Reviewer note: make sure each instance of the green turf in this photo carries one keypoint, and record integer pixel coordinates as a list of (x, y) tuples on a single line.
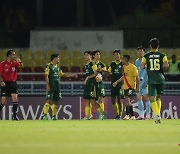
[(89, 137)]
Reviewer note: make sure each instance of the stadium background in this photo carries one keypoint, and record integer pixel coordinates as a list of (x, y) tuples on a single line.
[(36, 29)]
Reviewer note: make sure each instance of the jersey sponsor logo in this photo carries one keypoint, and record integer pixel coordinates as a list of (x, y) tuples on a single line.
[(13, 69)]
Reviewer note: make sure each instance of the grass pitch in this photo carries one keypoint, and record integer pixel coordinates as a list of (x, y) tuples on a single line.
[(89, 137)]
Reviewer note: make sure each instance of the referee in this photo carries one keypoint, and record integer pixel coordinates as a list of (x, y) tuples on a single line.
[(8, 77)]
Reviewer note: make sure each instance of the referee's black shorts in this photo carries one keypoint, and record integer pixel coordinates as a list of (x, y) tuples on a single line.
[(10, 88)]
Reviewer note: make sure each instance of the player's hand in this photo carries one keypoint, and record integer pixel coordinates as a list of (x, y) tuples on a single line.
[(115, 84), (47, 88), (2, 84), (74, 75), (85, 81), (18, 60)]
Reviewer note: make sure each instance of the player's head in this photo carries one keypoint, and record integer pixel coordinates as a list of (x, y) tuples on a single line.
[(87, 55), (154, 43), (117, 54), (140, 51), (126, 59), (173, 57), (96, 55), (11, 55), (55, 58)]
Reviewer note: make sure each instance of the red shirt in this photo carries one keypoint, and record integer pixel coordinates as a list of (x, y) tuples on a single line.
[(8, 70)]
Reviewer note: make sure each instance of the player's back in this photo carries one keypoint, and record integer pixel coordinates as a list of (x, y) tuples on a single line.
[(154, 61)]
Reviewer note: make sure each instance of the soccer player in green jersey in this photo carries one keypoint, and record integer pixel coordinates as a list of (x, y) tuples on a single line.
[(116, 92), (101, 67), (89, 88), (156, 62), (53, 73)]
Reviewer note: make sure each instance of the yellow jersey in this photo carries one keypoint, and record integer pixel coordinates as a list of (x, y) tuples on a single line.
[(130, 72)]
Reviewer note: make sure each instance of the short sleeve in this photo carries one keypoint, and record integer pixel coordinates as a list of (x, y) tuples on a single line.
[(61, 73), (109, 69), (165, 59), (47, 70), (144, 60), (94, 67)]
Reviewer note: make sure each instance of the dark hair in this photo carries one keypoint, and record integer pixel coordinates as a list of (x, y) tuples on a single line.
[(141, 48), (55, 55), (95, 51), (154, 42), (127, 57), (173, 56), (88, 52), (116, 51), (9, 52)]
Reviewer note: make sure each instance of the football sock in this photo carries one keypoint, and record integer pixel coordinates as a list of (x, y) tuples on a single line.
[(148, 108), (100, 110), (120, 106), (90, 109), (46, 108), (87, 111), (159, 105), (102, 105), (127, 110), (1, 106), (15, 105), (131, 110), (154, 107), (54, 109), (141, 108), (116, 108)]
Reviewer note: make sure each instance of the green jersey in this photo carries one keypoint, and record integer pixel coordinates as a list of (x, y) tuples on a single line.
[(100, 65), (54, 72), (89, 69), (116, 70), (154, 62)]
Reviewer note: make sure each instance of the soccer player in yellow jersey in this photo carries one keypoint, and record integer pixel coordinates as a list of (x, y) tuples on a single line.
[(131, 84), (53, 73), (155, 62)]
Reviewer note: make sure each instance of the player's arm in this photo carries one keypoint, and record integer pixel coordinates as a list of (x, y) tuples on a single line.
[(47, 78), (143, 63), (94, 67), (119, 80), (165, 64), (1, 79), (62, 74), (19, 63)]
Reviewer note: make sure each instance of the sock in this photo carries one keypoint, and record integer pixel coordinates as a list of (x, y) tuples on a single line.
[(127, 110), (90, 109), (1, 106), (141, 108), (148, 108), (120, 106), (46, 108), (131, 110), (116, 108), (100, 110), (102, 105), (87, 111), (15, 105), (159, 105), (154, 107), (54, 110)]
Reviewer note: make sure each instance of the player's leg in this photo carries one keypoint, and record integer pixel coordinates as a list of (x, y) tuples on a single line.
[(120, 97), (100, 94), (49, 98), (152, 92), (140, 107), (101, 102), (56, 98), (148, 106), (99, 109), (113, 101), (3, 98), (160, 88), (14, 96)]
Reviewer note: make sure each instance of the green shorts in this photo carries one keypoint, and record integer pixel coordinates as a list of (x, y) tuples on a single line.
[(89, 91), (155, 89), (54, 95), (117, 92), (100, 91)]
